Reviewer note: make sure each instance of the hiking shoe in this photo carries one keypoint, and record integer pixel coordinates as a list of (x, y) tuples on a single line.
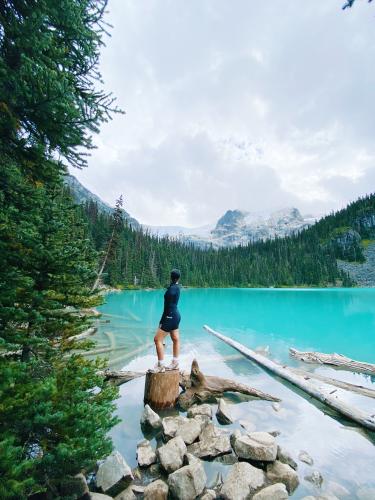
[(158, 368)]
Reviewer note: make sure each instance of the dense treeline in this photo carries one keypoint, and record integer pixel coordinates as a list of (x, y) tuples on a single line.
[(304, 259), (55, 410)]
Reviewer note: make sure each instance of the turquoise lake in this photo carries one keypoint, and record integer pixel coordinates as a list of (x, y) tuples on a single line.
[(326, 320)]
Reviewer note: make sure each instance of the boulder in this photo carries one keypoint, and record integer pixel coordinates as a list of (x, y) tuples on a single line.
[(188, 482), (223, 413), (209, 495), (234, 436), (203, 420), (171, 425), (127, 494), (157, 490), (212, 442), (285, 457), (276, 491), (256, 446), (150, 418), (189, 430), (242, 481), (172, 454), (305, 457), (112, 470), (145, 453), (277, 472), (204, 409), (99, 496), (315, 478)]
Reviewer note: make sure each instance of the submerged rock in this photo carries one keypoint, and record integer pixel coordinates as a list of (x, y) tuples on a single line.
[(145, 453), (276, 491), (188, 482), (305, 457), (247, 425), (285, 457), (172, 454), (366, 493), (223, 413), (209, 495), (157, 490), (256, 446), (112, 470), (150, 418), (204, 409), (315, 478), (242, 481), (277, 472), (338, 489)]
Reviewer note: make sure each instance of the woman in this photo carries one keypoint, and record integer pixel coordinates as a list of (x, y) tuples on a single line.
[(169, 323)]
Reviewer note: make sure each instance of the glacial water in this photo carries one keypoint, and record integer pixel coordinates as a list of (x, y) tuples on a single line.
[(326, 320)]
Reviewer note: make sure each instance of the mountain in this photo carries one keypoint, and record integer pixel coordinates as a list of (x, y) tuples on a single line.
[(82, 195), (238, 227)]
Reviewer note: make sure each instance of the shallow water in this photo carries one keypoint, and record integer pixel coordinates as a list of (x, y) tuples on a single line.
[(327, 320)]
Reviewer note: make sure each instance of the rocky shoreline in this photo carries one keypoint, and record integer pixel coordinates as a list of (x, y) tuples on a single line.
[(259, 468)]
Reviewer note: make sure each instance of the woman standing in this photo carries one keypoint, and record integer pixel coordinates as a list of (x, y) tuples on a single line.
[(169, 323)]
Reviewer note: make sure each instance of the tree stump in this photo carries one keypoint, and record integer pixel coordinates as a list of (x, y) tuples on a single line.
[(162, 389)]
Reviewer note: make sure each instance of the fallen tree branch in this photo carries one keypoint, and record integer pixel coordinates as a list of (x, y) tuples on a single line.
[(333, 359), (120, 377), (322, 394), (199, 388)]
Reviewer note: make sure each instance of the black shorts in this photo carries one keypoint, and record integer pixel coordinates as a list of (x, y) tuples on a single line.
[(170, 322)]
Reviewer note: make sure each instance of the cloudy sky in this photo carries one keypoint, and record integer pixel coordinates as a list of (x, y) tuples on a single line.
[(256, 105)]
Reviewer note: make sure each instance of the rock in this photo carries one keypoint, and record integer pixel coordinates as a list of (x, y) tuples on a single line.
[(99, 496), (209, 495), (247, 425), (274, 492), (138, 488), (127, 494), (203, 420), (204, 409), (171, 425), (234, 436), (212, 442), (242, 481), (315, 478), (338, 490), (217, 482), (226, 459), (366, 493), (305, 457), (274, 433), (112, 470), (189, 430), (157, 490), (278, 472), (150, 418), (276, 406), (285, 457), (74, 486), (145, 453), (188, 482), (223, 413), (172, 454), (256, 446)]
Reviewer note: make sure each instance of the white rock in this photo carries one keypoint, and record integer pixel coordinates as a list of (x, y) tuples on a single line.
[(188, 482), (112, 470), (150, 418), (256, 446), (171, 455), (209, 495), (145, 453), (157, 490), (212, 447), (285, 457), (223, 413), (99, 496), (276, 491), (127, 494), (305, 457), (204, 409), (242, 481), (189, 430), (315, 478), (172, 424), (277, 472)]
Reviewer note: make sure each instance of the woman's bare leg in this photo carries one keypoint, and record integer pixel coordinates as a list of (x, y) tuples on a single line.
[(159, 341), (175, 336)]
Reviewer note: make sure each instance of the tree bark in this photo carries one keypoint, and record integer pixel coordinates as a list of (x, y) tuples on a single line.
[(162, 389), (199, 388)]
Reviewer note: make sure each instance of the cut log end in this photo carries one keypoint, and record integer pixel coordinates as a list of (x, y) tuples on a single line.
[(162, 389)]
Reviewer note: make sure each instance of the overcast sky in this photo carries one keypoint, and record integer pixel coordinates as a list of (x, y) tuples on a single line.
[(247, 104)]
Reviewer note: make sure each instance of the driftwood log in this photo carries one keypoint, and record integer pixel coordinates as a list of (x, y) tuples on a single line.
[(162, 389), (121, 376), (333, 359), (199, 388), (323, 394)]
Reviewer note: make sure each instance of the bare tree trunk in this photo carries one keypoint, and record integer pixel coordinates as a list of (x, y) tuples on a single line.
[(95, 285)]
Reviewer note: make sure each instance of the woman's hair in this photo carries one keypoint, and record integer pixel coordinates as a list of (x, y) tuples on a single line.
[(175, 275)]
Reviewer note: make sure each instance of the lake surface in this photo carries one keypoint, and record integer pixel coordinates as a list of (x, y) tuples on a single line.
[(326, 320)]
